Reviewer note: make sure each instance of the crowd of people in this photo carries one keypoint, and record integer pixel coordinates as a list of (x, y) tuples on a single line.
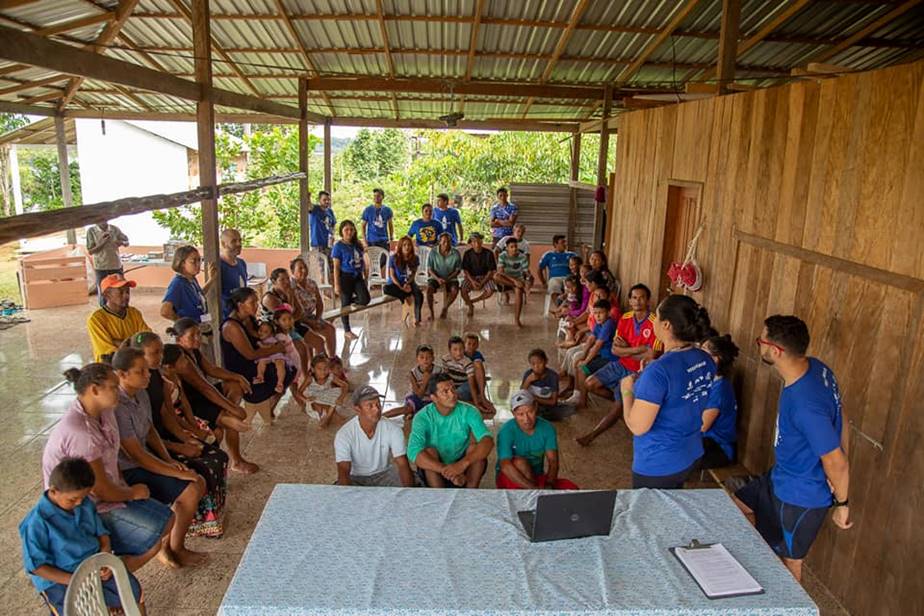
[(140, 460)]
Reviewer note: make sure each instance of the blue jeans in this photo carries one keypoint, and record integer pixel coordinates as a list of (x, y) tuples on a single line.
[(135, 528)]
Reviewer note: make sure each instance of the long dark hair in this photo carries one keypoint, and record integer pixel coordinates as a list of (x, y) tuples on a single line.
[(399, 256), (689, 321), (355, 243), (725, 350), (91, 374), (239, 296), (181, 326)]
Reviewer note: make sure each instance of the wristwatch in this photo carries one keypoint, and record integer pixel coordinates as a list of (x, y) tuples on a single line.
[(842, 503)]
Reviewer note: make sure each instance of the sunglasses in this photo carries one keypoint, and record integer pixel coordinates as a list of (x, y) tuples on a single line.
[(759, 341)]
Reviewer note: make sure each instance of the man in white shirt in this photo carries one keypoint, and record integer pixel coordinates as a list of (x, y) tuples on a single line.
[(362, 446)]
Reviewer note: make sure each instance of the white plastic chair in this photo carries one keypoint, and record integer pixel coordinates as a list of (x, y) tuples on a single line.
[(319, 270), (423, 254), (375, 254), (85, 592)]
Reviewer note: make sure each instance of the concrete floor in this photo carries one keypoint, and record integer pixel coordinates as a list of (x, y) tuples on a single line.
[(294, 450)]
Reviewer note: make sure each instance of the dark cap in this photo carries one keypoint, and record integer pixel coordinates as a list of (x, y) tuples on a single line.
[(365, 392)]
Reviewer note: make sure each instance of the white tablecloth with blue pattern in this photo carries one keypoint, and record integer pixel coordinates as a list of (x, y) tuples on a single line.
[(339, 551)]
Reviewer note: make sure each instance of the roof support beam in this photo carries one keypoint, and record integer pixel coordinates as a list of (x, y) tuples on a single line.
[(728, 43), (865, 31), (31, 49), (64, 172), (28, 85), (309, 63), (304, 199), (75, 24), (681, 14), (485, 88), (383, 30)]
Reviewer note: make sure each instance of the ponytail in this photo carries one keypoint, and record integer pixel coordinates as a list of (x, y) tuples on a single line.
[(91, 374), (689, 321), (725, 350)]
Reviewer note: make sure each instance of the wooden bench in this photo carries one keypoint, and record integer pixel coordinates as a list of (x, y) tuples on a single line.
[(719, 475), (335, 313)]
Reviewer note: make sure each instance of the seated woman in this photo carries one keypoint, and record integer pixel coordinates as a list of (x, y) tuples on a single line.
[(184, 296), (311, 303), (138, 525), (184, 439), (144, 459), (216, 405), (240, 350), (401, 270), (598, 263)]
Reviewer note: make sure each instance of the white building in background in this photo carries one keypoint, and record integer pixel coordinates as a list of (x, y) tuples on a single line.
[(121, 158)]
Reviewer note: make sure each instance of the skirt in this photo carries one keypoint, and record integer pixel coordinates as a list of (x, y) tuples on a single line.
[(213, 466)]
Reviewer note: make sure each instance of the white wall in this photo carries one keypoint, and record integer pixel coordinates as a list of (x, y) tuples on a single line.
[(129, 162)]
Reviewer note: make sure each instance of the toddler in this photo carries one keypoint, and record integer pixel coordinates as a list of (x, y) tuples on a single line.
[(326, 391), (270, 337), (286, 325)]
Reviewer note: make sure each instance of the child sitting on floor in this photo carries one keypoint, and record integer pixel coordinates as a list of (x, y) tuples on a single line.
[(326, 391), (337, 369), (61, 531), (472, 341), (542, 382), (285, 322), (421, 378), (268, 335)]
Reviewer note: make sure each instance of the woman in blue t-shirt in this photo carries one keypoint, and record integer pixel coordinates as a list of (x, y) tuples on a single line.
[(721, 414), (664, 404), (402, 269), (350, 272), (184, 296)]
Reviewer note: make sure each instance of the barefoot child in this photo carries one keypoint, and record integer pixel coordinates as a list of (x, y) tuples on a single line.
[(269, 337), (326, 390), (421, 379), (542, 382), (295, 357), (61, 531), (471, 351)]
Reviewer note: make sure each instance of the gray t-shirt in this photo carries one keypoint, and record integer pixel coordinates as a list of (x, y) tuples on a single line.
[(108, 257), (133, 414)]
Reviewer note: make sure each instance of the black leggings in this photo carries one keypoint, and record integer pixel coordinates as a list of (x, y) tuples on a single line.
[(353, 290), (396, 291), (664, 482)]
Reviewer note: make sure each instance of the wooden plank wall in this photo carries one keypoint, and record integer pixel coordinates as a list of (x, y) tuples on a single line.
[(813, 195)]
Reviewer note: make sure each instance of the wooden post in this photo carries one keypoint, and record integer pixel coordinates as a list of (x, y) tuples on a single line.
[(64, 171), (304, 239), (728, 44), (600, 209), (208, 174), (328, 178), (575, 176), (17, 186)]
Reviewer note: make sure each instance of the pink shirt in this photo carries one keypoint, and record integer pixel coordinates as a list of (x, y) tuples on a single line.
[(78, 435)]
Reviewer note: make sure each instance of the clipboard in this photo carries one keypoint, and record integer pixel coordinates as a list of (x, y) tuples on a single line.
[(697, 545)]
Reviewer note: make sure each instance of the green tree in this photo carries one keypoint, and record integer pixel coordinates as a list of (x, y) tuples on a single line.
[(41, 180), (11, 121), (376, 154)]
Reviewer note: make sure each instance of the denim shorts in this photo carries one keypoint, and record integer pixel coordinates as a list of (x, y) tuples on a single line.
[(611, 374), (137, 527)]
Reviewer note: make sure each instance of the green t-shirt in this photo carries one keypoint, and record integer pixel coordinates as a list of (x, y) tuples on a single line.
[(515, 267), (512, 442), (448, 434), (441, 265)]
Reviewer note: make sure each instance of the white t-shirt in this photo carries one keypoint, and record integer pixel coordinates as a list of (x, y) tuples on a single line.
[(368, 456), (523, 245)]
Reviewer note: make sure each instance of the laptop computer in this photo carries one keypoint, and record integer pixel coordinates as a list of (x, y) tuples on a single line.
[(569, 515)]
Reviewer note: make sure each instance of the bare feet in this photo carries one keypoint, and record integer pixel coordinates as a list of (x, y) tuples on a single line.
[(244, 467), (518, 323), (350, 336), (167, 557), (188, 558), (236, 424), (326, 417), (280, 387), (584, 441)]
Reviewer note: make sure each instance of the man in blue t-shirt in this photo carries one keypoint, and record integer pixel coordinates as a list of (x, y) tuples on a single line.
[(425, 230), (553, 267), (448, 217), (378, 226), (503, 216), (321, 221), (233, 268), (811, 475)]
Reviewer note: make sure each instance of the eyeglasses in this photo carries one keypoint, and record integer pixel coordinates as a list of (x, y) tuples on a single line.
[(759, 341)]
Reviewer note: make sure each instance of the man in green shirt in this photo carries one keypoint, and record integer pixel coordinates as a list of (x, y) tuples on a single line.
[(523, 447), (444, 264), (449, 442)]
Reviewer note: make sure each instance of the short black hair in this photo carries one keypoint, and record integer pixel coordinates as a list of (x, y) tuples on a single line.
[(72, 475), (423, 348), (425, 206), (443, 196), (378, 190), (788, 331), (442, 377), (641, 287), (511, 240), (557, 237), (317, 359), (603, 304), (596, 278), (538, 353), (472, 336), (125, 358), (455, 340), (323, 193), (277, 272), (502, 189)]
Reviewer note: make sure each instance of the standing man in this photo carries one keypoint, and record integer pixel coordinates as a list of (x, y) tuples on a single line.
[(503, 216), (378, 226), (322, 221), (115, 321), (103, 241), (553, 267), (233, 268), (449, 442), (811, 475), (448, 217), (362, 446), (478, 268), (425, 230)]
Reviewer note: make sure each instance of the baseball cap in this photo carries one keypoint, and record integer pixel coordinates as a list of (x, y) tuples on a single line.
[(366, 392), (116, 280), (521, 398), (475, 236)]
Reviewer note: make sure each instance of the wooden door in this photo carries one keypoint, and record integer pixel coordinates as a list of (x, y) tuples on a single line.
[(682, 218)]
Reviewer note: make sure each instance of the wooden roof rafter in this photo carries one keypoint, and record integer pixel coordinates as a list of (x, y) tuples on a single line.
[(472, 48), (309, 63), (870, 28), (389, 61)]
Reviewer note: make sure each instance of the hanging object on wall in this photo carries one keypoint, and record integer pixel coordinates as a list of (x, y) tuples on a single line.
[(688, 274)]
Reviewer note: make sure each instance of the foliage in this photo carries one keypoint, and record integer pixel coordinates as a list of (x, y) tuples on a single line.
[(41, 180), (377, 154), (11, 121)]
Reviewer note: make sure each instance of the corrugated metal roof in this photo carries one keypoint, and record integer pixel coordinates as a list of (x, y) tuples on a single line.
[(609, 36)]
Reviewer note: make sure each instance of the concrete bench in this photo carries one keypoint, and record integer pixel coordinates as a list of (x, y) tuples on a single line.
[(335, 313)]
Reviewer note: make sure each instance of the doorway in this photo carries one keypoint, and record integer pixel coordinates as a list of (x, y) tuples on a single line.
[(682, 217)]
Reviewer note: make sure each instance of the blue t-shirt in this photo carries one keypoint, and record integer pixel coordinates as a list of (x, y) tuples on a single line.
[(232, 277), (425, 232), (557, 262), (808, 426), (503, 212), (186, 297), (351, 257), (723, 430), (396, 275), (376, 223), (679, 382), (321, 223), (512, 442), (606, 331), (544, 386), (449, 218), (58, 538), (476, 356)]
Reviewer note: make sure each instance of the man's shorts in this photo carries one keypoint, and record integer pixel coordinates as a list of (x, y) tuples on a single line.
[(597, 363), (451, 284), (422, 476), (610, 375), (488, 286), (556, 285), (505, 483), (788, 529)]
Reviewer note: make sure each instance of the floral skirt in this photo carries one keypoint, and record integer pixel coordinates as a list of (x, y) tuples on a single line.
[(213, 466)]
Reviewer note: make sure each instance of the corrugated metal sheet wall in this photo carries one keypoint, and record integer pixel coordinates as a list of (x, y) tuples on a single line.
[(545, 210)]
